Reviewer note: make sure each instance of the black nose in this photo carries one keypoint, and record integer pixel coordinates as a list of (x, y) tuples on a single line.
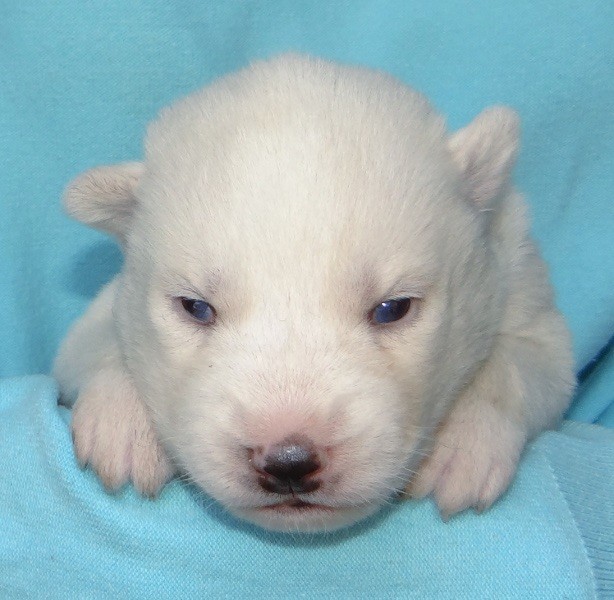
[(288, 466)]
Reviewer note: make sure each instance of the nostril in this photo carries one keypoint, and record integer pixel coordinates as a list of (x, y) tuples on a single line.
[(291, 462), (277, 486), (287, 467)]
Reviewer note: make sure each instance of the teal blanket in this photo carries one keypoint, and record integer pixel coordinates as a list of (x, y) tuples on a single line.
[(78, 83), (61, 536)]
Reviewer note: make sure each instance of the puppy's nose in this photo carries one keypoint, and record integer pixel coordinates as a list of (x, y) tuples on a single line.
[(289, 467), (291, 461)]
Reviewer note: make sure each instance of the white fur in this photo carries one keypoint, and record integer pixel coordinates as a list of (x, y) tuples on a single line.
[(295, 196)]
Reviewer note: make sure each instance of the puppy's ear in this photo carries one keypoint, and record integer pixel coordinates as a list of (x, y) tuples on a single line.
[(104, 197), (485, 151)]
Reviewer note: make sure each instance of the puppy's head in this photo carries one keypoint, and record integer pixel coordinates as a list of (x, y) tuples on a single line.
[(309, 282)]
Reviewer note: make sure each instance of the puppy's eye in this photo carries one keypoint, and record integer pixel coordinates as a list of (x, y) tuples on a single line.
[(199, 309), (390, 311)]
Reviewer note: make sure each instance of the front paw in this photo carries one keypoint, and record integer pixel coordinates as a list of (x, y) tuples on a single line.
[(474, 459), (113, 435)]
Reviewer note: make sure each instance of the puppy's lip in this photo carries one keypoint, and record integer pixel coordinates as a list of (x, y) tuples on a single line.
[(296, 504)]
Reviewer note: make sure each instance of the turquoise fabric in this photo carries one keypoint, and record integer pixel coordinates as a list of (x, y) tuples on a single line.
[(61, 536), (78, 83)]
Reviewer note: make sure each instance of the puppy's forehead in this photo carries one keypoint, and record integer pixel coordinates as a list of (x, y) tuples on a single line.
[(310, 164)]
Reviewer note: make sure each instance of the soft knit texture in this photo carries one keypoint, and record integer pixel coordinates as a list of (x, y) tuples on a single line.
[(78, 83), (61, 536)]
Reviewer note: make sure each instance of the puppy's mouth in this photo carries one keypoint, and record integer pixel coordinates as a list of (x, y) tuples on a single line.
[(295, 505)]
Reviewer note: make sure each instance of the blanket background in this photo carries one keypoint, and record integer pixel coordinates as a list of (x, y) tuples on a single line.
[(61, 536), (78, 83)]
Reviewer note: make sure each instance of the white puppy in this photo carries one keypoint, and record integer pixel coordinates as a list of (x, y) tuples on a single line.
[(321, 288)]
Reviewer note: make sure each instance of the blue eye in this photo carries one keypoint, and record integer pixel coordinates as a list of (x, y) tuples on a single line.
[(199, 309), (390, 311)]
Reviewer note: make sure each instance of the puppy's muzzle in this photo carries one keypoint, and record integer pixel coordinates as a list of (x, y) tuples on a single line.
[(288, 467)]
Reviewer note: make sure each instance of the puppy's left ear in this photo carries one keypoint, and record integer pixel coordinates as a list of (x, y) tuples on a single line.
[(105, 197), (485, 151)]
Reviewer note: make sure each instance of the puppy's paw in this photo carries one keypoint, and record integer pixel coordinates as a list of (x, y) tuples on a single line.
[(473, 462), (113, 435)]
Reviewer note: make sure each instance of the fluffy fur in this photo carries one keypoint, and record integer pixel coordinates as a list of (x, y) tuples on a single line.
[(294, 196)]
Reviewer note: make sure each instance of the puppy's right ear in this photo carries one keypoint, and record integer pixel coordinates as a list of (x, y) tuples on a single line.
[(104, 197), (485, 151)]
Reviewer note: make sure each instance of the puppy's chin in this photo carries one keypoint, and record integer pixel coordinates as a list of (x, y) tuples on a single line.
[(299, 516)]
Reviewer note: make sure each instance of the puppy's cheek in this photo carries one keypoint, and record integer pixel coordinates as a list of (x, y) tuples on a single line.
[(369, 477), (213, 461)]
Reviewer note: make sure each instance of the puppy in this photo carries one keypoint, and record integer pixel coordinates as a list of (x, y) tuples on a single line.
[(326, 299)]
